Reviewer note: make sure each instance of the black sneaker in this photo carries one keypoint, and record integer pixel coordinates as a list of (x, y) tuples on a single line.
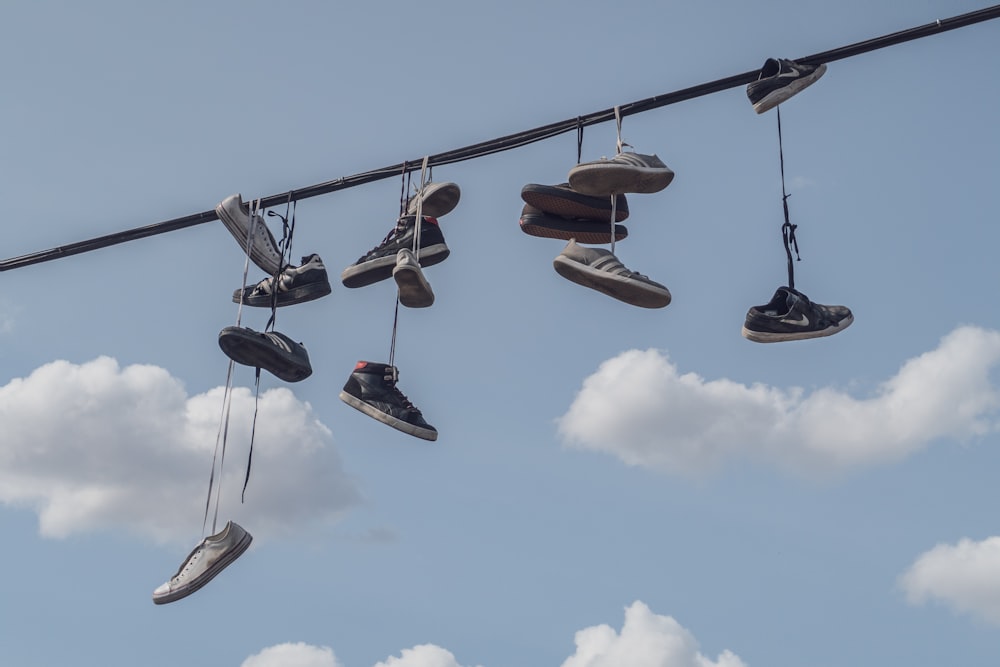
[(790, 315), (564, 201), (272, 351), (779, 80), (296, 284), (372, 390), (379, 262), (539, 223)]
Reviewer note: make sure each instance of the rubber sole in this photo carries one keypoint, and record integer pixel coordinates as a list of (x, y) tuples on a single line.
[(254, 349), (387, 419), (567, 203), (766, 337)]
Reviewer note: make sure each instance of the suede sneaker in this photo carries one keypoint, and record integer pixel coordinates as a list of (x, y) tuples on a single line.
[(208, 559), (600, 270), (274, 352), (372, 390), (625, 172), (235, 215), (379, 262), (790, 315)]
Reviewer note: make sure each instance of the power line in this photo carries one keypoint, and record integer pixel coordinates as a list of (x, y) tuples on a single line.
[(507, 142)]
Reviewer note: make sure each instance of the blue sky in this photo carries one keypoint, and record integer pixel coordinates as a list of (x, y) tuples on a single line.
[(611, 485)]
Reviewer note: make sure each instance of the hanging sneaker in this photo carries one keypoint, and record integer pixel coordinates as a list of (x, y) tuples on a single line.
[(378, 263), (208, 559), (235, 215), (537, 223), (564, 201), (372, 390), (296, 284), (779, 80), (600, 270), (414, 290), (438, 199), (272, 351), (625, 172), (790, 315)]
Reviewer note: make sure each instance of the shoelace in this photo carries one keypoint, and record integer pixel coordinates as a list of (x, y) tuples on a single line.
[(392, 377), (395, 231)]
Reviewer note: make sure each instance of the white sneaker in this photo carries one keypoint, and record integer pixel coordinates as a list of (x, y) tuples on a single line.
[(207, 560), (414, 290), (235, 215), (438, 199), (625, 172)]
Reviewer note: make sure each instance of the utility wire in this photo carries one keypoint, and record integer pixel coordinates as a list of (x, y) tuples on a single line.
[(507, 142)]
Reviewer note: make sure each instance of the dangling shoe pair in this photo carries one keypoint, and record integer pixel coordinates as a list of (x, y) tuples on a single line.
[(295, 284)]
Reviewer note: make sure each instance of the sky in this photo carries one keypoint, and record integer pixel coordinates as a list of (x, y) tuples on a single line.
[(611, 485)]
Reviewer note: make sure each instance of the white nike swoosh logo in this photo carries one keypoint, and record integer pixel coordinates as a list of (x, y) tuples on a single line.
[(788, 74), (803, 321)]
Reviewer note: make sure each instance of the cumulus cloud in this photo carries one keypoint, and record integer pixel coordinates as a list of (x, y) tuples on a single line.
[(95, 446), (293, 655), (963, 576), (640, 408), (646, 640)]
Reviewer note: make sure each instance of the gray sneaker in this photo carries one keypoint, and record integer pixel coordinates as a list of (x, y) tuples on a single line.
[(625, 172), (207, 560), (600, 270), (274, 352), (438, 199), (235, 215), (414, 290)]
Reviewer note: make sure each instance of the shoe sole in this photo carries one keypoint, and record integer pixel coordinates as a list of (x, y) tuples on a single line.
[(592, 233), (618, 287), (610, 178), (766, 337), (246, 348), (377, 270), (439, 199), (568, 203), (387, 419), (414, 292), (290, 297), (217, 567), (778, 96), (239, 232)]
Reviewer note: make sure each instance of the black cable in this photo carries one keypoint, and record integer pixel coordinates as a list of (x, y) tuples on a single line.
[(507, 142)]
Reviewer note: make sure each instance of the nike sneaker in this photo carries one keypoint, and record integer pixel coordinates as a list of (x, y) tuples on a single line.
[(379, 262), (600, 270), (625, 172), (780, 79), (372, 390), (296, 284), (790, 315)]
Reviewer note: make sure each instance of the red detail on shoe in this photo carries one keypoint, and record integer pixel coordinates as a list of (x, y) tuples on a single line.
[(431, 220), (360, 365)]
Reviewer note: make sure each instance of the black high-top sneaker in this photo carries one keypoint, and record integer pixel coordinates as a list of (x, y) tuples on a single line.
[(377, 264), (372, 390)]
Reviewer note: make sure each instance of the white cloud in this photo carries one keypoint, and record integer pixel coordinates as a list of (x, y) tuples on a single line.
[(963, 576), (424, 655), (638, 407), (646, 640), (293, 655), (94, 446)]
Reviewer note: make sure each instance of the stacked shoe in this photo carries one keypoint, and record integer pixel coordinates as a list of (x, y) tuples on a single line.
[(272, 351), (207, 560), (625, 172), (372, 389), (295, 284), (779, 79), (560, 212), (600, 270), (790, 315), (379, 263)]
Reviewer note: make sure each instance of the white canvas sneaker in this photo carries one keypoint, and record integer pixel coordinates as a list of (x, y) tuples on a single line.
[(207, 560), (235, 215)]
